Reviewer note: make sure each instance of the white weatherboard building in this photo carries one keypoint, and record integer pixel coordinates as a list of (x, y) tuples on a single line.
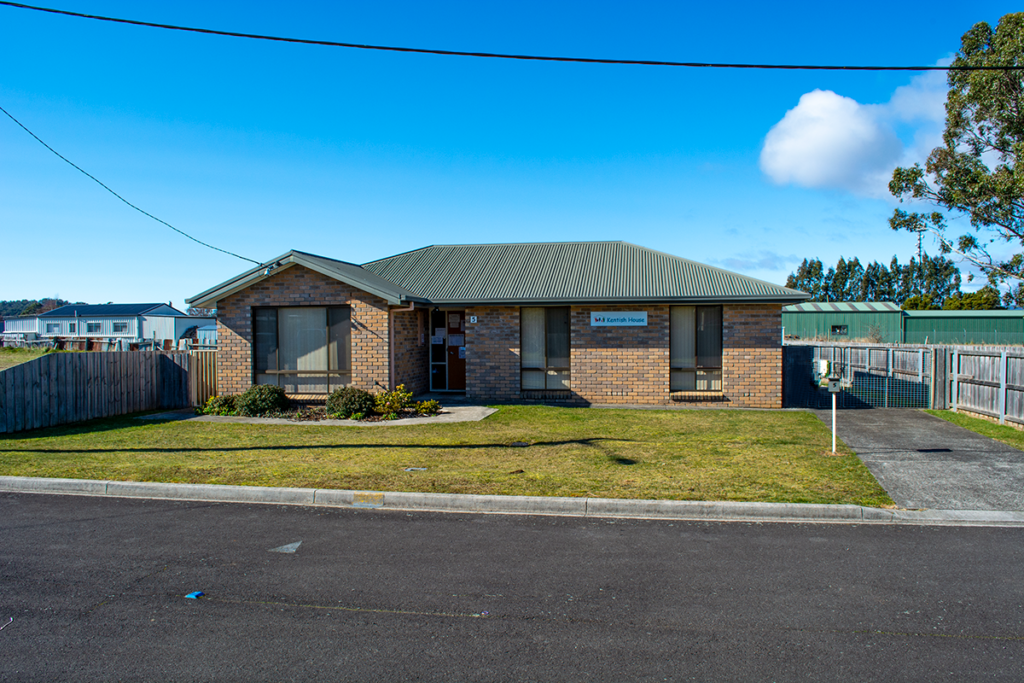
[(106, 325)]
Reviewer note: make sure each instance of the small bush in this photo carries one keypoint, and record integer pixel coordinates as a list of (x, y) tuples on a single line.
[(356, 416), (261, 399), (393, 402), (428, 407), (220, 405), (349, 400)]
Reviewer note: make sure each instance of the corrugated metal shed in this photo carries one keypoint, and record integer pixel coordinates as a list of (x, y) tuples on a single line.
[(844, 307), (569, 272), (964, 327), (880, 321)]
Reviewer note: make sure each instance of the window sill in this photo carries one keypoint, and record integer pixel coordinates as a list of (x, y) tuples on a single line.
[(698, 396)]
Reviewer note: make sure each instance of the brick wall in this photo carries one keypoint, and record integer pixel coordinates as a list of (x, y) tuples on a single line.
[(299, 286), (629, 365), (620, 364), (492, 353), (412, 350), (752, 355)]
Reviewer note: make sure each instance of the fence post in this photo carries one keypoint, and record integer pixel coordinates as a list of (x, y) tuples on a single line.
[(1002, 388), (888, 374), (955, 363)]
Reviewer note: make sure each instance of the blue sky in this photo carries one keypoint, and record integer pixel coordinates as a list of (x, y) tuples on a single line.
[(261, 147)]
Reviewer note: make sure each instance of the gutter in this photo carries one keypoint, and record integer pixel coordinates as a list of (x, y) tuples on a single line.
[(391, 342)]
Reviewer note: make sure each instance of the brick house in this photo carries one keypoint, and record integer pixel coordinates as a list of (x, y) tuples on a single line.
[(575, 322)]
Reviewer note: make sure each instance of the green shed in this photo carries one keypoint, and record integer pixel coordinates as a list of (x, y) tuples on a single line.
[(878, 321), (963, 327)]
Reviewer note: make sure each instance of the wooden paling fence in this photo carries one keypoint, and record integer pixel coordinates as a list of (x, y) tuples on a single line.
[(202, 376), (62, 388), (988, 383)]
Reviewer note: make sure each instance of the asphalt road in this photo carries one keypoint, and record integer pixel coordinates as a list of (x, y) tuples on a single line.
[(95, 588)]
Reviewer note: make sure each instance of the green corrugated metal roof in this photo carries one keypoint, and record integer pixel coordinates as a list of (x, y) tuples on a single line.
[(566, 272), (843, 307), (965, 314)]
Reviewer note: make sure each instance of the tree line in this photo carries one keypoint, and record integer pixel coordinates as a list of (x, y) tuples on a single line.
[(927, 284), (13, 307)]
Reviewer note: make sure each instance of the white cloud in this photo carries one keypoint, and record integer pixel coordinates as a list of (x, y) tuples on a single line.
[(831, 141)]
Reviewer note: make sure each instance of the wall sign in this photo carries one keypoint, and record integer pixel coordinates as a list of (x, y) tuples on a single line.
[(618, 319)]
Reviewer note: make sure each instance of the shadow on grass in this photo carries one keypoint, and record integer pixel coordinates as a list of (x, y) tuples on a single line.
[(593, 443)]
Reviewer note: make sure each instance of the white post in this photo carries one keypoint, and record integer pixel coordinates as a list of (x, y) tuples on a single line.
[(833, 424), (955, 366)]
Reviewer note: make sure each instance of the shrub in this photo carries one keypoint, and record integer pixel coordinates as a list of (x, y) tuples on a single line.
[(261, 399), (348, 401), (220, 405), (428, 407), (393, 402), (356, 416)]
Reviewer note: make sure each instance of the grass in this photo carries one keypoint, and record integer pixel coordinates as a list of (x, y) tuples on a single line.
[(11, 356), (690, 455), (1006, 434)]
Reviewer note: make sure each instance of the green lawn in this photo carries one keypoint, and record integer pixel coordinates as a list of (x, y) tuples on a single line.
[(692, 455), (11, 356), (1004, 433)]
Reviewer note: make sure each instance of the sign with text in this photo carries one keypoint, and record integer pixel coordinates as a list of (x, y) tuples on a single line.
[(618, 319)]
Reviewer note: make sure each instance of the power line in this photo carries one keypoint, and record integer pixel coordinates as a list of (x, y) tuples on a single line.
[(500, 55), (101, 184)]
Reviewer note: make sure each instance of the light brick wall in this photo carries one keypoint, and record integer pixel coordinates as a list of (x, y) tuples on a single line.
[(752, 355), (492, 353), (629, 365), (299, 286), (411, 350), (620, 364)]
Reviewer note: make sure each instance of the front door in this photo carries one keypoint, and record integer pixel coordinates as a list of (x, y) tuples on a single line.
[(447, 351)]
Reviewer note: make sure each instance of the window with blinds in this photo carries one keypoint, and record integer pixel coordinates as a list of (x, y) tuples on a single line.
[(544, 349), (695, 355), (303, 350)]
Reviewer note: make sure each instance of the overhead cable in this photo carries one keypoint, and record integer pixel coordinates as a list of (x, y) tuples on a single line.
[(105, 187), (501, 55)]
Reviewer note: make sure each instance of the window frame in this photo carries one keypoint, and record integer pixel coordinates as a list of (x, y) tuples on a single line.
[(89, 328), (119, 328), (548, 368), (712, 372), (52, 328), (282, 375)]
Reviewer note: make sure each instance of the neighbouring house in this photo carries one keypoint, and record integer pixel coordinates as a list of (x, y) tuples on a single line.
[(106, 326), (575, 322)]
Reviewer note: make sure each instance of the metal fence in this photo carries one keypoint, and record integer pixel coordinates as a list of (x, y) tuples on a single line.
[(875, 377)]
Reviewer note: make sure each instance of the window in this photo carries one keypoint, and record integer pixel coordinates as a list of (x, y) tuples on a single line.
[(52, 328), (840, 330), (695, 356), (120, 328), (303, 350), (71, 328), (92, 328), (544, 341)]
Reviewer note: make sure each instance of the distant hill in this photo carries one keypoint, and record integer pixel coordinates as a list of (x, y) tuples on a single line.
[(13, 307)]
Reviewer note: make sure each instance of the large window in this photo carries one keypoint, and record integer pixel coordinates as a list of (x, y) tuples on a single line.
[(52, 328), (304, 350), (120, 328), (544, 340), (695, 358), (92, 328)]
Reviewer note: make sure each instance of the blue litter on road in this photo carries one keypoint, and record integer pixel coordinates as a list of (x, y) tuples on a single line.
[(195, 595)]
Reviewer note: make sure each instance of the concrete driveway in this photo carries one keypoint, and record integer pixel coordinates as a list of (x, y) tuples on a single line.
[(925, 462)]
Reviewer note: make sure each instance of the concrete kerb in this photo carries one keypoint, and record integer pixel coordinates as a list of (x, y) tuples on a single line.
[(685, 510)]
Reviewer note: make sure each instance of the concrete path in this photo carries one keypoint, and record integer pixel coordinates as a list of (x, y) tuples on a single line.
[(925, 462), (447, 415)]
